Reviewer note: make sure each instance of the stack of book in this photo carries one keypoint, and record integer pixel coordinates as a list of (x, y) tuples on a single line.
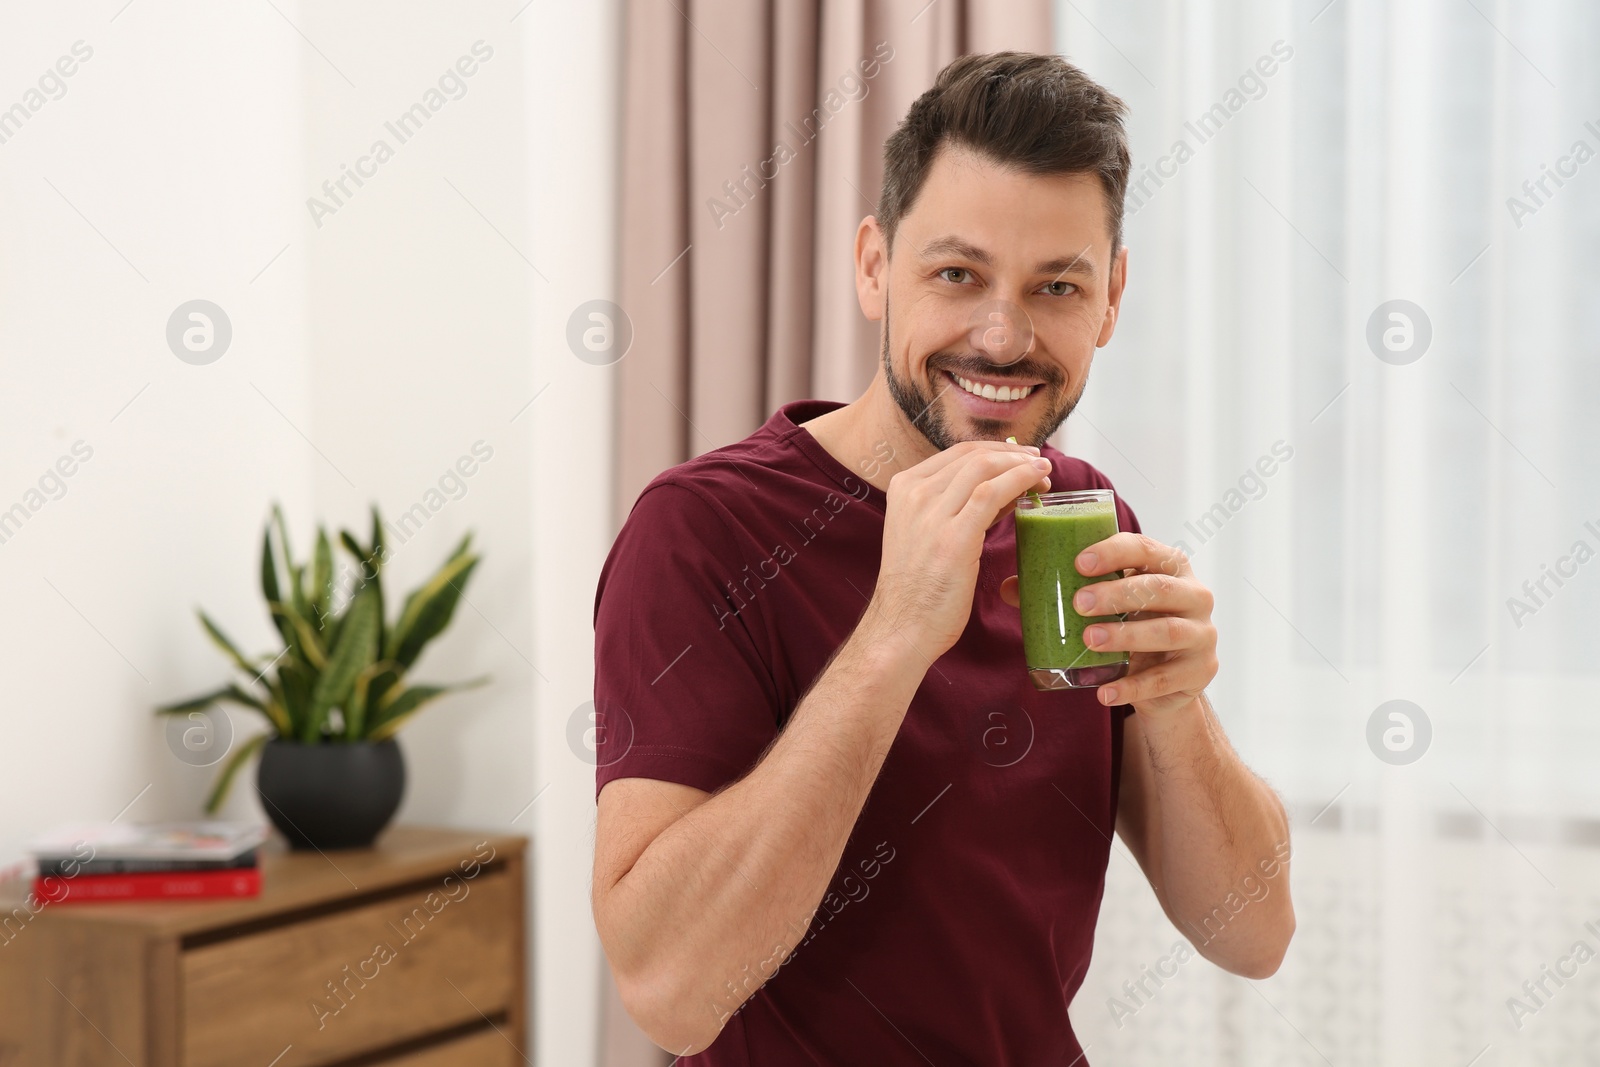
[(165, 861)]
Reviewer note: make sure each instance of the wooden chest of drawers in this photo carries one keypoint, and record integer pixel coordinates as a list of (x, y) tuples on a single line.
[(409, 953)]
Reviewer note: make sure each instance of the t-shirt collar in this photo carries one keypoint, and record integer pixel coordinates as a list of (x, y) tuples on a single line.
[(786, 423)]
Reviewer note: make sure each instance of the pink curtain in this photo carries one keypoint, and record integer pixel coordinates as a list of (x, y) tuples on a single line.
[(752, 147)]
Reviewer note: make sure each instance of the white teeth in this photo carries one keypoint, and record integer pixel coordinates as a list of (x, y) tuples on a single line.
[(990, 392)]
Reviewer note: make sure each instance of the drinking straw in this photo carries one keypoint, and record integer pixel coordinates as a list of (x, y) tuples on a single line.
[(1032, 492)]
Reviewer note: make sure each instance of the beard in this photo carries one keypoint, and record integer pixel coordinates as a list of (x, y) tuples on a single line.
[(928, 417)]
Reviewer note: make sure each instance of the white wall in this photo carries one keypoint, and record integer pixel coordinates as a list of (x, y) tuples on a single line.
[(419, 348), (375, 350), (572, 103), (176, 153)]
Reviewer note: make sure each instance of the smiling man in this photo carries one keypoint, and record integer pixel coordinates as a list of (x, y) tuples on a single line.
[(837, 823)]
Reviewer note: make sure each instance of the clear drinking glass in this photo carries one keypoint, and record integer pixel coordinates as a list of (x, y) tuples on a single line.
[(1052, 528)]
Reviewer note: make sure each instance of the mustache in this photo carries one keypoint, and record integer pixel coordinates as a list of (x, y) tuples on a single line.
[(974, 366)]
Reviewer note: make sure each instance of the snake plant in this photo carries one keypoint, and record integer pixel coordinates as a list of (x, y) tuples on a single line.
[(342, 673)]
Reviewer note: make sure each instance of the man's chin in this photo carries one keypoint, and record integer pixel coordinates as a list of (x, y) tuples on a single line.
[(996, 430), (1027, 426)]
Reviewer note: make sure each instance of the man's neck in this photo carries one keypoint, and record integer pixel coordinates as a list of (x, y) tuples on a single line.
[(871, 435)]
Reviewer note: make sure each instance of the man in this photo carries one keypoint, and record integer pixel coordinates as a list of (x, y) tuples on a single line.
[(837, 823)]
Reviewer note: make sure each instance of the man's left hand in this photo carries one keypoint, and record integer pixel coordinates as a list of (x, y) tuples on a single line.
[(1166, 625)]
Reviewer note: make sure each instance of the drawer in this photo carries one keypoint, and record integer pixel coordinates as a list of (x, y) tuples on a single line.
[(326, 988), (484, 1049)]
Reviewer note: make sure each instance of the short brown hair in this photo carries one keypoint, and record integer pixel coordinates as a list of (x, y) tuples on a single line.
[(1032, 111)]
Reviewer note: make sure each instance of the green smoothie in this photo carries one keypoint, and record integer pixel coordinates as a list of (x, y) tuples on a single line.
[(1051, 531)]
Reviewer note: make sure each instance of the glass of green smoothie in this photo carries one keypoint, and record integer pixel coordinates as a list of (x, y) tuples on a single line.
[(1052, 529)]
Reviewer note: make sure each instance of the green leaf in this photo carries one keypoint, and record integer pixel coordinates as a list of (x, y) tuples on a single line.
[(427, 611), (355, 708), (280, 719), (283, 535), (332, 624), (293, 689), (269, 568), (357, 648), (249, 700), (232, 693), (220, 639), (385, 684), (205, 700), (236, 759), (309, 644), (410, 607), (297, 591), (377, 557), (277, 707), (321, 579), (307, 589), (284, 610), (405, 704), (377, 552)]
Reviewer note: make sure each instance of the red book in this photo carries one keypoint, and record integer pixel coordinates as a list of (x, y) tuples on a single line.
[(150, 885)]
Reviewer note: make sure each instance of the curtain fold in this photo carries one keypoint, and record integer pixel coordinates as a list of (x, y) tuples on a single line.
[(752, 147), (1353, 375), (653, 237)]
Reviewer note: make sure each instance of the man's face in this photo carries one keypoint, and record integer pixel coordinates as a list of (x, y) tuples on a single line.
[(1000, 288)]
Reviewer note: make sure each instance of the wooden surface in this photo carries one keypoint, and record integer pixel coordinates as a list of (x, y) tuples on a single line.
[(435, 971), (483, 1049), (204, 983), (291, 880)]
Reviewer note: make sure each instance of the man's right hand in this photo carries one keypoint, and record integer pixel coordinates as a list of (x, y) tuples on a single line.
[(933, 532)]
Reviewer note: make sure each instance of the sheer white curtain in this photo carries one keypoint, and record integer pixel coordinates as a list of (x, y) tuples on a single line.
[(1392, 502)]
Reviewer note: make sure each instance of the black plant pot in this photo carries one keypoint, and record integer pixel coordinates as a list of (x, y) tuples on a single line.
[(330, 795)]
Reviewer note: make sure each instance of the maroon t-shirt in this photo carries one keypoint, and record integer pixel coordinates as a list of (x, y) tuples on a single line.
[(959, 922)]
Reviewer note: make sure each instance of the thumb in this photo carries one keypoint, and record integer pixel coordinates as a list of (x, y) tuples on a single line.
[(1008, 592)]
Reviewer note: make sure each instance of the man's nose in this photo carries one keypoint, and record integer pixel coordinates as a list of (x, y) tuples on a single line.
[(1001, 331)]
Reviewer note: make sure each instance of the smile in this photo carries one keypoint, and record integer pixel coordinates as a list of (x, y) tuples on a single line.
[(990, 391)]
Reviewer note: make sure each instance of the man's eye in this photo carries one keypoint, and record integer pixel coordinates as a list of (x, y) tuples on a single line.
[(948, 271), (1059, 288)]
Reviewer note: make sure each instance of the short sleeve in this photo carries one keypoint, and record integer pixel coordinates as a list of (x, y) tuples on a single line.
[(682, 691)]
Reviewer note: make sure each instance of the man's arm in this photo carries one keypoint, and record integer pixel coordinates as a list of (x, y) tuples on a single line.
[(724, 892), (1211, 837)]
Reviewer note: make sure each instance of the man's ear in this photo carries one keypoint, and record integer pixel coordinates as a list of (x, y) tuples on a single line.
[(1119, 279), (872, 268)]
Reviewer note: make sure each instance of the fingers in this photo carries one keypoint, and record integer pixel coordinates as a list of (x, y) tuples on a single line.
[(940, 462), (1009, 591), (1166, 633), (1144, 592), (1017, 470), (1180, 677), (1134, 551), (948, 491), (982, 493), (962, 470)]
